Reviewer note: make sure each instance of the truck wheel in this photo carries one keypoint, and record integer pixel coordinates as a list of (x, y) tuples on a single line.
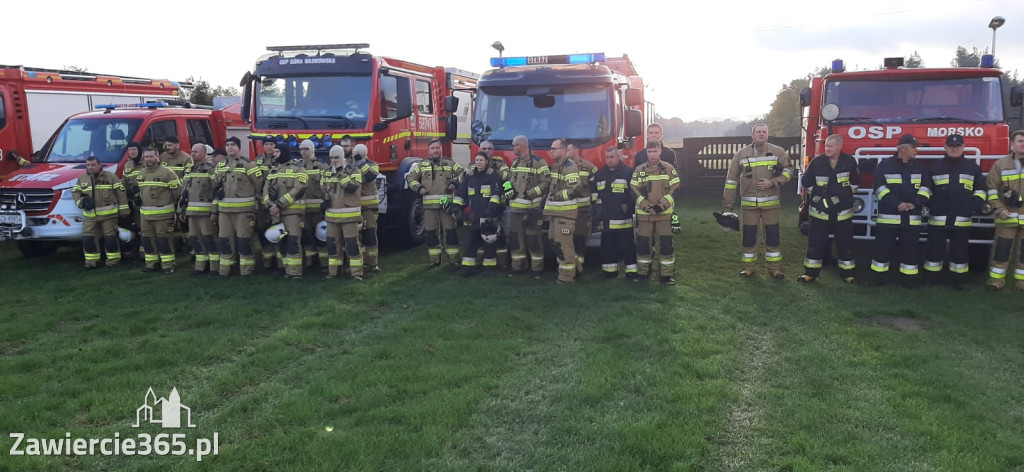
[(412, 223), (34, 249)]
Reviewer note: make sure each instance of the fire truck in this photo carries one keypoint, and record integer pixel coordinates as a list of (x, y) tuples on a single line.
[(394, 107), (593, 100), (872, 109), (34, 102), (36, 205)]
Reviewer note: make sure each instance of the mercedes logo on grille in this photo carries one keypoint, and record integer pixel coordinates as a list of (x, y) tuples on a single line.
[(20, 200)]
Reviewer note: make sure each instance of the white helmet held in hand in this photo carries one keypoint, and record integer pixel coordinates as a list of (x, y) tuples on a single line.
[(321, 230), (276, 233), (124, 235)]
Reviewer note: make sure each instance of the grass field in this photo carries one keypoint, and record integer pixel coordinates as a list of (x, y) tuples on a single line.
[(418, 369)]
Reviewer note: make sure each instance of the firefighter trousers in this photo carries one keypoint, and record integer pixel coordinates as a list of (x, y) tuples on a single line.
[(753, 220), (818, 244), (957, 254), (291, 244), (204, 242), (523, 238), (156, 242), (581, 233), (649, 233), (97, 231), (1006, 238), (344, 237), (368, 236), (315, 249), (473, 243), (235, 236), (268, 250), (897, 243), (434, 219), (618, 245), (560, 233)]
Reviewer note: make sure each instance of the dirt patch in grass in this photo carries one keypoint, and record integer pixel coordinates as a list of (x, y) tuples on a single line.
[(898, 323)]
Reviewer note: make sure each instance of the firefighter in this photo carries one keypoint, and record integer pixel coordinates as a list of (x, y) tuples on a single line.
[(343, 210), (759, 170), (653, 184), (316, 251), (238, 182), (196, 201), (530, 178), (481, 191), (830, 181), (586, 170), (265, 162), (900, 197), (160, 189), (100, 195), (957, 191), (368, 195), (614, 210), (282, 195), (561, 208), (498, 164), (436, 180), (655, 133), (1005, 190), (173, 157), (133, 221)]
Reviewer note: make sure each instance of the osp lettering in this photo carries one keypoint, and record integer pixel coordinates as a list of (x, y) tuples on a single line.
[(874, 132)]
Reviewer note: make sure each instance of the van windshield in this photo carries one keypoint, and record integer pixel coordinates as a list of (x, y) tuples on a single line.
[(105, 138)]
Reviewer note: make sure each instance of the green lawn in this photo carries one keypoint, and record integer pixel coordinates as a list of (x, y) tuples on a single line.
[(418, 369)]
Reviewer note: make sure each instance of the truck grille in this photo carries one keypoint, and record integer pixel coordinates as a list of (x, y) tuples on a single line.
[(36, 200)]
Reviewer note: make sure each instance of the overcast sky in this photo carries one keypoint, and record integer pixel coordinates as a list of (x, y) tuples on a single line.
[(712, 61)]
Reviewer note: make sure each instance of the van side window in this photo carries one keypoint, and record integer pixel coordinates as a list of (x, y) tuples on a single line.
[(157, 133), (3, 112), (199, 132), (423, 103)]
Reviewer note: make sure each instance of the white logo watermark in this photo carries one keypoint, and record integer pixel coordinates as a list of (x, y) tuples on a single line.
[(143, 444)]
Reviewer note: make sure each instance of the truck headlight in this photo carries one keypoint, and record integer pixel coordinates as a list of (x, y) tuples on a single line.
[(858, 205)]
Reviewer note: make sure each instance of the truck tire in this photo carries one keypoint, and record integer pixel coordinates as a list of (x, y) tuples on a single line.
[(36, 249), (411, 230)]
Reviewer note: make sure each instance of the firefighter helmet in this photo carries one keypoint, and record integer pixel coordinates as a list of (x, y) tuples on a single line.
[(728, 221), (124, 235), (489, 230), (321, 230), (276, 233)]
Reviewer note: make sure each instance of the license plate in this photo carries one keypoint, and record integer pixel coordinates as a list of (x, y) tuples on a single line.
[(14, 219)]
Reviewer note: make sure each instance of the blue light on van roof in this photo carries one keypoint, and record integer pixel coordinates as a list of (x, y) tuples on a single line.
[(587, 58), (124, 106)]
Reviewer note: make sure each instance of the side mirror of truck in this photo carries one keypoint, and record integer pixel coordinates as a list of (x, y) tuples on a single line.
[(451, 104), (1016, 96), (246, 85), (805, 97), (451, 127), (634, 97), (634, 123), (404, 96)]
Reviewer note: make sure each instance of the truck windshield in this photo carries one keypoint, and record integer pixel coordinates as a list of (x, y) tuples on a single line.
[(105, 138), (319, 102), (581, 112), (976, 99)]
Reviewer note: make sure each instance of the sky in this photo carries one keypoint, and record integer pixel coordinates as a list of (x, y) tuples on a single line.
[(708, 62)]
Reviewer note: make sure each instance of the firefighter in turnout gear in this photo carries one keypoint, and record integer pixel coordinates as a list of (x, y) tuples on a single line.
[(900, 197), (130, 178), (369, 197), (614, 211), (585, 195), (957, 192), (1005, 190), (561, 207), (238, 183), (100, 195), (174, 158), (282, 195), (160, 190), (830, 181), (313, 197), (530, 177), (266, 162), (343, 211), (197, 199), (653, 184), (758, 171), (436, 180), (497, 163), (481, 191)]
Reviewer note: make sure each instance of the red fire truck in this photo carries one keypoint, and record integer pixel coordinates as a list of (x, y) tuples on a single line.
[(36, 206), (872, 109), (394, 107), (34, 102)]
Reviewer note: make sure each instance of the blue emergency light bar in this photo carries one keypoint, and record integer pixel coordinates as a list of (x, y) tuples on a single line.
[(587, 58), (123, 106)]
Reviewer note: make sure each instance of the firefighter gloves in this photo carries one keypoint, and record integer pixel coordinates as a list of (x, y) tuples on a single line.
[(676, 226)]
